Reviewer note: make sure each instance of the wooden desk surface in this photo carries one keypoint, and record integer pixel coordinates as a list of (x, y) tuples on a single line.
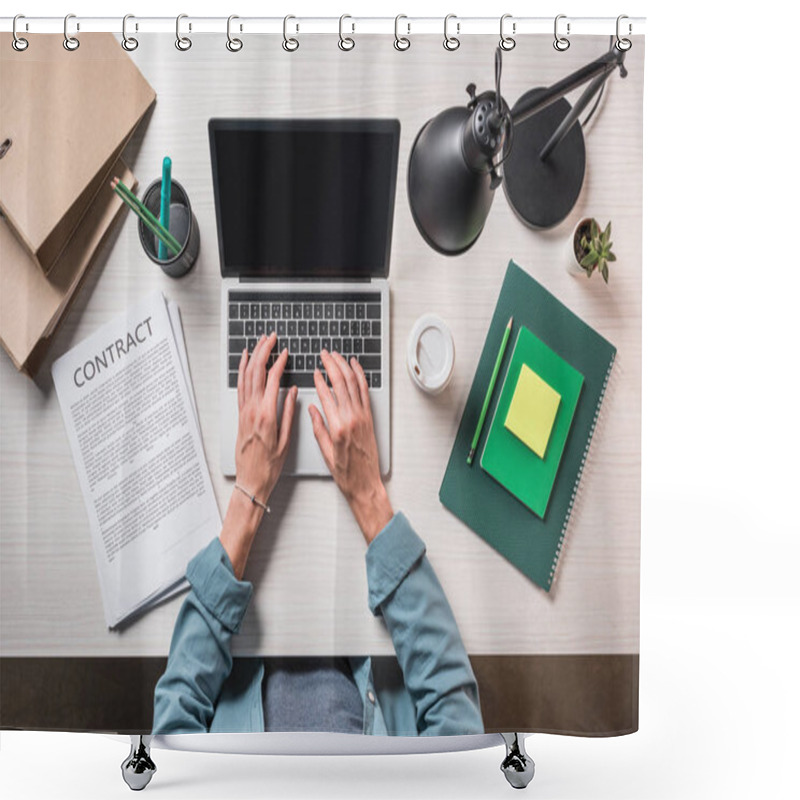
[(307, 564)]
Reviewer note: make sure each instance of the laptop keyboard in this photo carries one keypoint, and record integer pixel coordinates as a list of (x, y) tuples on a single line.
[(307, 323)]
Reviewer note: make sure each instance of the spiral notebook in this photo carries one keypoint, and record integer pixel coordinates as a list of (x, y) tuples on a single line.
[(531, 543)]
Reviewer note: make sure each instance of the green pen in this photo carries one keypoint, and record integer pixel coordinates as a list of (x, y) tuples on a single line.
[(489, 391), (166, 199)]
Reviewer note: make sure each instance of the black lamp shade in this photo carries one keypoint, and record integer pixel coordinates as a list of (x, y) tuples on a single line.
[(449, 199)]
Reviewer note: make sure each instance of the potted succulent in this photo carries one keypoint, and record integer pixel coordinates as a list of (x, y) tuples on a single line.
[(590, 249)]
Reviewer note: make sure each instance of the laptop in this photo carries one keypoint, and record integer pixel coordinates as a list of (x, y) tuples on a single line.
[(304, 224)]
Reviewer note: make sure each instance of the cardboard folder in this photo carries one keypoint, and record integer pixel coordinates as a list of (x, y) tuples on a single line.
[(33, 304), (64, 118)]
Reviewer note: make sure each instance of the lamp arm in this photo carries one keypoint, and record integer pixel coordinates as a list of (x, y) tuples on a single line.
[(599, 68)]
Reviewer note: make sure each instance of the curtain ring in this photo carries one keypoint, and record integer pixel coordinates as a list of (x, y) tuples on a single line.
[(233, 44), (561, 43), (346, 42), (623, 44), (183, 43), (129, 43), (71, 43), (401, 42), (18, 43), (451, 43), (290, 44), (507, 42)]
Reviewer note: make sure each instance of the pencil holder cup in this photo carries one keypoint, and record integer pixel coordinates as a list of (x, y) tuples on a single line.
[(182, 225)]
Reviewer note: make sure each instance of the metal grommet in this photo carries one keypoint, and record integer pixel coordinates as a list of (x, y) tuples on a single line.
[(129, 43), (233, 44), (71, 43), (623, 44), (346, 42), (401, 42), (451, 42), (18, 43), (561, 43), (183, 43), (507, 42), (290, 44)]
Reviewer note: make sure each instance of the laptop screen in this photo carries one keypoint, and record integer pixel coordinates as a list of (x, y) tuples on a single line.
[(304, 198)]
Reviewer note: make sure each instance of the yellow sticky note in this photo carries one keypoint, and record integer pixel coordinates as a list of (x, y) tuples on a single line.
[(532, 411)]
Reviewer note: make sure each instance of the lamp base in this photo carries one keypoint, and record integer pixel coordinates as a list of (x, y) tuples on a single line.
[(542, 193)]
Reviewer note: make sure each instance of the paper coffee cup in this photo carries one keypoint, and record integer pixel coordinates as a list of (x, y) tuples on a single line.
[(430, 355)]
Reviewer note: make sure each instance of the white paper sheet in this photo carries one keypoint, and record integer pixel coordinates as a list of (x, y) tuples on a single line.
[(131, 419)]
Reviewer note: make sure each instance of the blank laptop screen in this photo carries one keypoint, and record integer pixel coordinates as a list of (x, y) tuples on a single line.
[(304, 199)]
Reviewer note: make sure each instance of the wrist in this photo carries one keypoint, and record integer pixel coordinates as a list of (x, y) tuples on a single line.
[(239, 529), (244, 511), (372, 510)]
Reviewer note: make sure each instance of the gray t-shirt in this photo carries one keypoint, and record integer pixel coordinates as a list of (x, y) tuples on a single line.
[(311, 694)]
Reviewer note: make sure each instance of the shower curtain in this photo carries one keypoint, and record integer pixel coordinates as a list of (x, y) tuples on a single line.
[(498, 595)]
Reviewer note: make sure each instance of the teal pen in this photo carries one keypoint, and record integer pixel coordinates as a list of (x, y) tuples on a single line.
[(166, 198)]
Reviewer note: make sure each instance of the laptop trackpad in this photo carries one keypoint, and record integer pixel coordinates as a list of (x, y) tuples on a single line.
[(304, 456)]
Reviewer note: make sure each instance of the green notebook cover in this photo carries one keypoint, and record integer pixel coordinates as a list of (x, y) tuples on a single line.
[(530, 543), (505, 457)]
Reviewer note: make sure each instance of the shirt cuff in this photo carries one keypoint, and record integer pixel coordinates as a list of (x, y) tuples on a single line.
[(210, 573), (390, 557)]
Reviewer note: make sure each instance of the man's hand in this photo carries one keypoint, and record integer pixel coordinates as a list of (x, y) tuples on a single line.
[(348, 442), (261, 446)]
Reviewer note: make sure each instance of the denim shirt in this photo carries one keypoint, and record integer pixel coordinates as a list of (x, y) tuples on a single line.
[(205, 689)]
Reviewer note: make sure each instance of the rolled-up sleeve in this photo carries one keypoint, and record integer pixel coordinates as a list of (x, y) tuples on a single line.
[(200, 652), (404, 590)]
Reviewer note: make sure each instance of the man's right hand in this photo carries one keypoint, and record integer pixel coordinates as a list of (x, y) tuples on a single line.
[(348, 442)]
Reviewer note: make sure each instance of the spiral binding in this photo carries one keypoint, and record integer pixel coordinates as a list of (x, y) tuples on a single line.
[(576, 485), (451, 41)]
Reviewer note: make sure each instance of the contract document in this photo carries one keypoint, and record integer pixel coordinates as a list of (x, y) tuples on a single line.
[(130, 415)]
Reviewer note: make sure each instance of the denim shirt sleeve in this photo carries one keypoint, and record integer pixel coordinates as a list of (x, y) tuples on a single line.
[(404, 589), (200, 653)]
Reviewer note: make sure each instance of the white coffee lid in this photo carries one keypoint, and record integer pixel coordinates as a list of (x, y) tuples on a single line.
[(431, 354)]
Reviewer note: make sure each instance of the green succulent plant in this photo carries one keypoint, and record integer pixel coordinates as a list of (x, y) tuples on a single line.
[(596, 250)]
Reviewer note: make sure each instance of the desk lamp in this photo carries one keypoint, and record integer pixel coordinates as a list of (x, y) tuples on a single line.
[(453, 169)]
